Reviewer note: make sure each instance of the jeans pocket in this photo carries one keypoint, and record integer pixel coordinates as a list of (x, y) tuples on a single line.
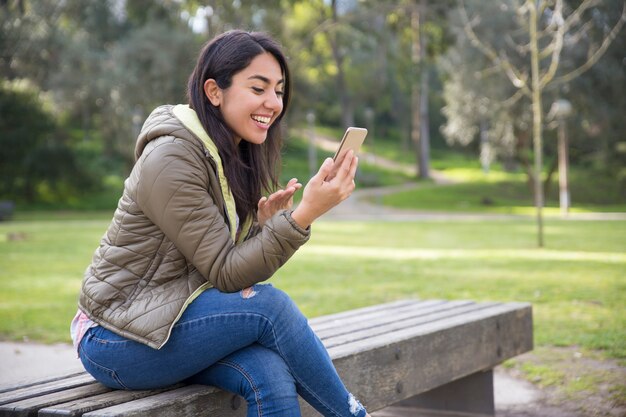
[(98, 344), (102, 374), (101, 336)]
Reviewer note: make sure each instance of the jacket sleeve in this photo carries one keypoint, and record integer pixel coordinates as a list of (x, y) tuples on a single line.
[(172, 193)]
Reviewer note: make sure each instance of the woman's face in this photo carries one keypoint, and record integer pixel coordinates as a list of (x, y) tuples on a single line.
[(254, 99)]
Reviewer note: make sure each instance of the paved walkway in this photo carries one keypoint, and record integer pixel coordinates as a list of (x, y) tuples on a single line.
[(361, 206)]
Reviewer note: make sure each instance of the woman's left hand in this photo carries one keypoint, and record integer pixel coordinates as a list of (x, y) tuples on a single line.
[(279, 200)]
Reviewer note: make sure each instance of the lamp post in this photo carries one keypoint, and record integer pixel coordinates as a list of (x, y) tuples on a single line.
[(560, 110), (310, 118), (369, 121)]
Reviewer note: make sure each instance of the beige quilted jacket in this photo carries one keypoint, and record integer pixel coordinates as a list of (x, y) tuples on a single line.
[(172, 235)]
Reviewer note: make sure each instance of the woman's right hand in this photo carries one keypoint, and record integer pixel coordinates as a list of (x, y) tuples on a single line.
[(323, 192)]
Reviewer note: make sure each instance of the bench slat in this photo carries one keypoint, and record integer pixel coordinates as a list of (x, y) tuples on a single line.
[(360, 311), (351, 315), (358, 320), (56, 385), (189, 401), (390, 325), (30, 406), (84, 405), (399, 318), (27, 384), (478, 315)]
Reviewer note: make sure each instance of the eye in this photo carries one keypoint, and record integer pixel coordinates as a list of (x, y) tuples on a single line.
[(258, 90), (280, 93)]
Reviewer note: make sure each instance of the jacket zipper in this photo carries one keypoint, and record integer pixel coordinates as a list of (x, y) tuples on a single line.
[(188, 301)]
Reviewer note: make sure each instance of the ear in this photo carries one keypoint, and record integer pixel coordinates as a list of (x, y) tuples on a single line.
[(213, 92)]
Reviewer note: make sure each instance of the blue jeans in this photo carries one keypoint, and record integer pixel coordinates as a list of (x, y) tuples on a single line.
[(253, 343)]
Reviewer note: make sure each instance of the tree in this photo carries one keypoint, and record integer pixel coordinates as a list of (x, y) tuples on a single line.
[(36, 162), (333, 59), (339, 56), (596, 132), (420, 131), (422, 25), (547, 27), (30, 40)]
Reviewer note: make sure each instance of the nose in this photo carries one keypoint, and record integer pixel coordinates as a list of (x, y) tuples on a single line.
[(274, 102)]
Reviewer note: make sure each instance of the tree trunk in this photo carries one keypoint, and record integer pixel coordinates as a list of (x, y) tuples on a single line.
[(521, 149), (420, 131), (424, 151), (547, 183), (537, 119), (347, 108)]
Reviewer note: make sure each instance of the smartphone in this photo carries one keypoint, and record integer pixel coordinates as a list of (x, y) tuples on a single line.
[(352, 139)]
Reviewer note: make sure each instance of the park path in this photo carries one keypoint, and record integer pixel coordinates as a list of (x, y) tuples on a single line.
[(330, 145), (366, 203)]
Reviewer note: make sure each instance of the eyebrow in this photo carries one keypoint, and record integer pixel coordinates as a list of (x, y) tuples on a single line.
[(264, 79)]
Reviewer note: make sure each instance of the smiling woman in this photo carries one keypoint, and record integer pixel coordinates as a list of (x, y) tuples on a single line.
[(173, 293), (253, 101), (240, 89)]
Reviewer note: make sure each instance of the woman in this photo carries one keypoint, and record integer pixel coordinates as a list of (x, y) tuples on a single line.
[(172, 293)]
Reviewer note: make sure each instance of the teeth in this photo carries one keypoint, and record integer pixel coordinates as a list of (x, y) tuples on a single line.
[(261, 119)]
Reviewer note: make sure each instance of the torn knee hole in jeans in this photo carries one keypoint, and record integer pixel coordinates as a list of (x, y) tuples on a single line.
[(355, 405), (247, 293)]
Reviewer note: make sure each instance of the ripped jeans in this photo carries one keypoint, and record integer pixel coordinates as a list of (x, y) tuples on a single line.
[(255, 343)]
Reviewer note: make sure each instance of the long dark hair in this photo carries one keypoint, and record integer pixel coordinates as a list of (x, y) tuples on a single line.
[(250, 169)]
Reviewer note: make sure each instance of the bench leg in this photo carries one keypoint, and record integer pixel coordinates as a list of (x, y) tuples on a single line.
[(466, 396)]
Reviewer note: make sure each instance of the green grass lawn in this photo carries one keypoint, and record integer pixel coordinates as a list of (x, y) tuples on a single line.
[(576, 284), (504, 192)]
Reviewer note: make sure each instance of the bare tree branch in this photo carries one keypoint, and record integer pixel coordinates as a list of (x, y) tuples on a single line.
[(488, 71), (572, 20), (520, 49), (597, 54), (558, 45), (577, 36), (515, 98), (517, 79), (575, 17), (571, 39)]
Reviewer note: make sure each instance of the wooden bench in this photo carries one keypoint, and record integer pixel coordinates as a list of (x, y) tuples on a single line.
[(429, 354)]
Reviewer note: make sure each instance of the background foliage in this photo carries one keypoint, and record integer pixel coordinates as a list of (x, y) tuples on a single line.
[(80, 76)]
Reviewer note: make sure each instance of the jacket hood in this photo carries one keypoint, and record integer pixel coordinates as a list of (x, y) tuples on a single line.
[(163, 122), (182, 122)]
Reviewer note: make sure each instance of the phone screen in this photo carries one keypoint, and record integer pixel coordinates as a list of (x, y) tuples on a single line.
[(352, 139)]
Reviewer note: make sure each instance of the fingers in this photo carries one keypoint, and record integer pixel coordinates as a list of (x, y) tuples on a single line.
[(280, 198), (337, 164), (353, 166), (347, 163), (347, 170), (324, 170)]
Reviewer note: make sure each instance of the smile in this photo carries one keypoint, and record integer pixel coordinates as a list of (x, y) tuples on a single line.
[(262, 119)]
